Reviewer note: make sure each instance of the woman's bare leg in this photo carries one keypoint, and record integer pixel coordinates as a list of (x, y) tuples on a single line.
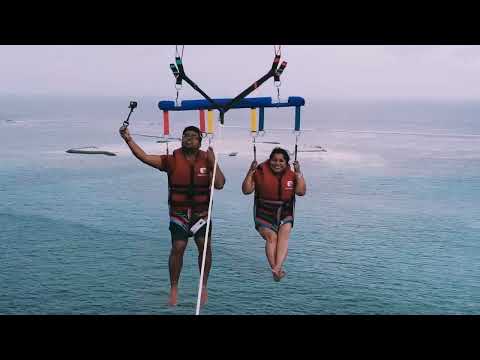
[(282, 248)]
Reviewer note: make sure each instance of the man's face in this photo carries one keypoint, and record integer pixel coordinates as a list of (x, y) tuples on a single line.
[(191, 140)]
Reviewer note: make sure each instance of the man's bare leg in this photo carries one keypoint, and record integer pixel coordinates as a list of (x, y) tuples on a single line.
[(175, 263)]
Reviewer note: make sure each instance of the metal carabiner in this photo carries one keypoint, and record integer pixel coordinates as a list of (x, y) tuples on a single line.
[(176, 99)]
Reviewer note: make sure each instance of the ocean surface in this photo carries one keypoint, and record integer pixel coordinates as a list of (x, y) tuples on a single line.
[(390, 223)]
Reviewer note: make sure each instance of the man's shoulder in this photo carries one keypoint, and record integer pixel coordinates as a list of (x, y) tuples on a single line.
[(168, 162), (167, 157)]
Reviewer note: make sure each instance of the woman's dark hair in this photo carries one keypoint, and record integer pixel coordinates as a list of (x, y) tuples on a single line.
[(279, 150)]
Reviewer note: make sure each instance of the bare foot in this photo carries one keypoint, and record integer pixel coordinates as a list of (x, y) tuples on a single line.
[(204, 297), (276, 275), (172, 299), (282, 274)]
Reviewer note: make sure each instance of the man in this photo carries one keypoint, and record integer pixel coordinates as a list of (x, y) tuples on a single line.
[(190, 172)]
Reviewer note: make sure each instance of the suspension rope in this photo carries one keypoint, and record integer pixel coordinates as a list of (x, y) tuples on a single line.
[(296, 144), (177, 54), (278, 72), (297, 128), (205, 245), (277, 51), (254, 130), (176, 72), (200, 283)]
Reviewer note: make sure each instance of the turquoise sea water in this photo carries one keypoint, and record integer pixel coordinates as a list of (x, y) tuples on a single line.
[(390, 223)]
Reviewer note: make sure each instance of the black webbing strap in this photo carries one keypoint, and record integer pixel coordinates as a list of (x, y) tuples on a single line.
[(279, 72), (255, 85), (182, 76), (176, 73), (275, 71)]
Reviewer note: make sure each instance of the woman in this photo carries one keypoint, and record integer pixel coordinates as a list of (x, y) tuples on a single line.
[(275, 186)]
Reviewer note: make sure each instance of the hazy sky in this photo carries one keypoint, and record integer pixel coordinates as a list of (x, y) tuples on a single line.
[(314, 72)]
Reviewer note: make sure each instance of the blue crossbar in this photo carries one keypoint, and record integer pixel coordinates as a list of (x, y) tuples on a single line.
[(259, 102)]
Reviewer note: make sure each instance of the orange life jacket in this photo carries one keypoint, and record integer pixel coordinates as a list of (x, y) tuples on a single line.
[(189, 183), (272, 192)]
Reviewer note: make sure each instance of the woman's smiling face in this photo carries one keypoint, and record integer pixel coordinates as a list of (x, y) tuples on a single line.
[(278, 163)]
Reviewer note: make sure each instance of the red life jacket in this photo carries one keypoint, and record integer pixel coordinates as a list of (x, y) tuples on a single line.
[(189, 183), (273, 192)]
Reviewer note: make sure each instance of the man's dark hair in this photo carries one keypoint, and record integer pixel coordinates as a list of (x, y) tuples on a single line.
[(194, 129), (279, 150)]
